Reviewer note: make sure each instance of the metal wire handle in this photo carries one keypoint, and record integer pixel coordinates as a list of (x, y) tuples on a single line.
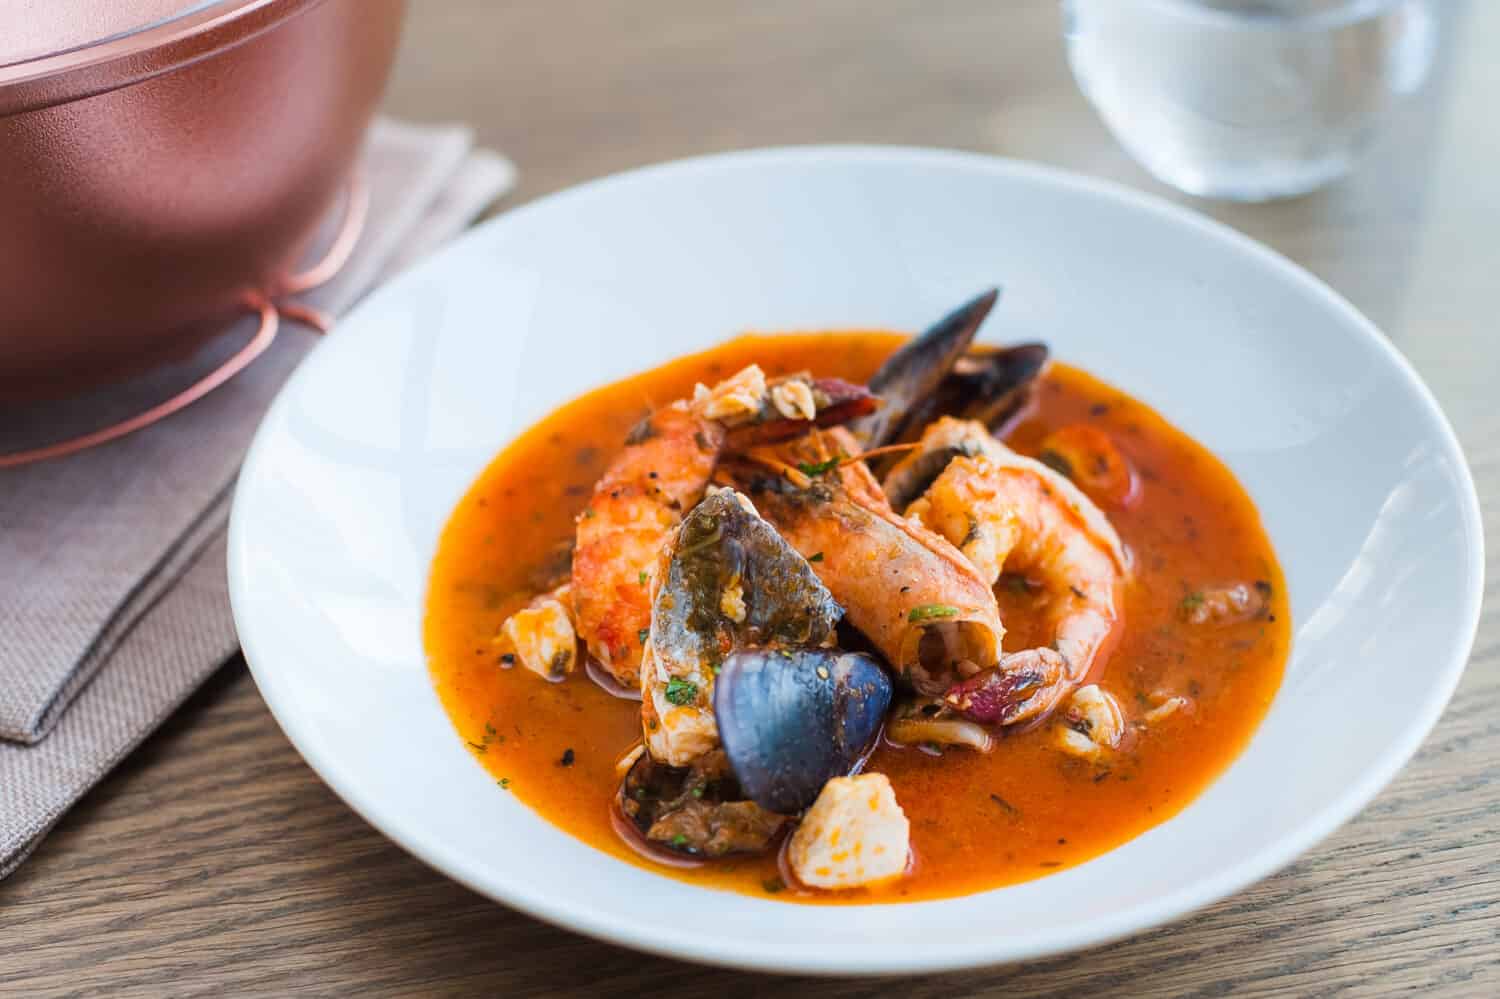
[(267, 305)]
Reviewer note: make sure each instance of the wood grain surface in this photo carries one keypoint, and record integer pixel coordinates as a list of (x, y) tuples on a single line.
[(215, 862)]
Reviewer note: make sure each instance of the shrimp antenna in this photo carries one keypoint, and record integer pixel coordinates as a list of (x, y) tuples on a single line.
[(876, 452)]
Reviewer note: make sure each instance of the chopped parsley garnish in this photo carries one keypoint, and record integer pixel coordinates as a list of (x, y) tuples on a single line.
[(817, 557), (679, 840), (681, 692), (588, 513), (644, 577), (504, 782), (773, 885), (1192, 602), (567, 757), (643, 634), (478, 747), (931, 612), (813, 469)]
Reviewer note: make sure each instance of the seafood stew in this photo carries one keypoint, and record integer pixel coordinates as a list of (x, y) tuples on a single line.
[(848, 617)]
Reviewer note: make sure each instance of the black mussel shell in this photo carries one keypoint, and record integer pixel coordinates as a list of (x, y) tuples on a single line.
[(790, 720), (911, 479), (696, 810), (990, 386), (723, 545), (912, 374)]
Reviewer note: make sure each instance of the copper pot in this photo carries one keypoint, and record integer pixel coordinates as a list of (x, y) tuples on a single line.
[(150, 180)]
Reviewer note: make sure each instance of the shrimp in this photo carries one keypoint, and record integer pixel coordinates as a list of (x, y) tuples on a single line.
[(916, 598), (1006, 511), (662, 473)]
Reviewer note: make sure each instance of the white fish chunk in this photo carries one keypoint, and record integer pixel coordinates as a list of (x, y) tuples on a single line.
[(854, 834)]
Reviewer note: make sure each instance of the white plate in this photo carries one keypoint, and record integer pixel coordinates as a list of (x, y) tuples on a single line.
[(1356, 472)]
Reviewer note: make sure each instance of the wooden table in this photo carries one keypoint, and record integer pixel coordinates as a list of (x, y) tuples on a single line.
[(214, 861)]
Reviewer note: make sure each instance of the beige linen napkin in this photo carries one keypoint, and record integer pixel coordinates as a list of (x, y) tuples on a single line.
[(113, 596)]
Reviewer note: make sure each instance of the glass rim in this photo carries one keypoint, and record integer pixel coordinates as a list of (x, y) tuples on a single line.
[(1306, 15)]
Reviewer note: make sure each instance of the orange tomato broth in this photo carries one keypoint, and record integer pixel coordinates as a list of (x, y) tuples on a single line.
[(977, 821)]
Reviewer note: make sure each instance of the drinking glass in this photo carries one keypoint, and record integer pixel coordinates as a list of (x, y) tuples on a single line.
[(1247, 99)]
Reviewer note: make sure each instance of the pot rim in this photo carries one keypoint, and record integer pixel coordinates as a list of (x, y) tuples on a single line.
[(121, 60)]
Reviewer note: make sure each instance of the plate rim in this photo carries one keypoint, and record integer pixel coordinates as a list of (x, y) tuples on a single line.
[(558, 909)]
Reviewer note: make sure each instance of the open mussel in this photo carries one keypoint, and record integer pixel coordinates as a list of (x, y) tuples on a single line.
[(791, 719), (733, 581), (697, 810), (988, 384), (942, 373), (911, 375), (989, 387), (728, 580)]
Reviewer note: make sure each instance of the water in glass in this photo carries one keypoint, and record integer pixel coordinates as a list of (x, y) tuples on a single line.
[(1247, 99)]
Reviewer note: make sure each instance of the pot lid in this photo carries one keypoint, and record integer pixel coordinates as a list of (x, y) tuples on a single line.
[(46, 27), (52, 51)]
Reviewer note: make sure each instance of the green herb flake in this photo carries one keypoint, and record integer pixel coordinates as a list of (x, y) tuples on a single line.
[(567, 758), (681, 692), (478, 747), (644, 577), (588, 513), (697, 792), (1192, 602), (813, 469), (817, 557), (504, 782), (679, 840), (773, 885), (643, 634), (931, 612)]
